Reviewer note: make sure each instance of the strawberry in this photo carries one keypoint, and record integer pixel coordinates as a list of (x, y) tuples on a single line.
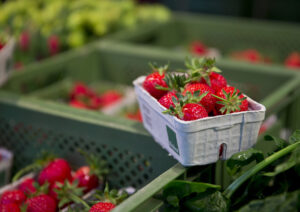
[(137, 116), (231, 101), (109, 97), (198, 48), (107, 200), (208, 101), (10, 207), (24, 41), (187, 107), (102, 207), (27, 186), (90, 176), (53, 44), (217, 81), (78, 104), (192, 111), (80, 89), (56, 171), (13, 196), (1, 45), (204, 70), (167, 100), (293, 60), (154, 82), (96, 102), (87, 180), (41, 203)]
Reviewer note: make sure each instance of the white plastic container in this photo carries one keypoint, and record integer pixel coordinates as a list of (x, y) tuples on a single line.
[(6, 59), (198, 142)]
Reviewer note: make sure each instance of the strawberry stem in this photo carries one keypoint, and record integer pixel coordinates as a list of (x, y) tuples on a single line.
[(77, 199), (225, 100), (25, 170)]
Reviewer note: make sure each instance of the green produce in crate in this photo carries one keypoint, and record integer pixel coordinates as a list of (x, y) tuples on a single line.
[(272, 183), (46, 28)]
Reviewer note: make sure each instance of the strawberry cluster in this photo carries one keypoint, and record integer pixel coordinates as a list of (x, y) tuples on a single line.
[(249, 55), (198, 93), (82, 96), (55, 185)]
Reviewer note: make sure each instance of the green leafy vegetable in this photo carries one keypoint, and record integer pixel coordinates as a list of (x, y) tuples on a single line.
[(280, 203), (241, 159)]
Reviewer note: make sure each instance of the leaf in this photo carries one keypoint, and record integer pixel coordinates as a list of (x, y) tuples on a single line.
[(293, 161), (280, 143), (294, 137), (214, 202), (240, 159), (280, 203), (181, 189)]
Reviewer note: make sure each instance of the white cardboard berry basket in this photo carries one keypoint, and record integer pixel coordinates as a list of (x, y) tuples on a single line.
[(6, 58), (198, 142)]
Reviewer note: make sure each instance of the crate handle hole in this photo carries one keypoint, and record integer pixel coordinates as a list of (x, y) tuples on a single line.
[(222, 151)]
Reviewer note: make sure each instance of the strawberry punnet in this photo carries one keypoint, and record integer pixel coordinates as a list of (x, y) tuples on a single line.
[(41, 203), (154, 82), (56, 171), (13, 196), (208, 101), (204, 70), (231, 101), (10, 207)]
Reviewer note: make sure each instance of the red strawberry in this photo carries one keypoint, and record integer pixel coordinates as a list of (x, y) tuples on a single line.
[(1, 45), (293, 60), (80, 89), (231, 101), (13, 196), (207, 101), (135, 116), (53, 44), (10, 207), (77, 104), (109, 97), (41, 203), (192, 111), (154, 80), (217, 81), (167, 100), (96, 102), (85, 179), (24, 41), (102, 207), (27, 186), (198, 48), (56, 171)]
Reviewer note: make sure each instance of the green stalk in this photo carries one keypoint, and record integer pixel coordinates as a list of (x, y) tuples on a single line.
[(225, 100), (24, 171), (77, 199), (248, 174)]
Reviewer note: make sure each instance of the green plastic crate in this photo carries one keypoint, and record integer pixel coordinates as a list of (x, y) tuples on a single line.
[(29, 123)]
